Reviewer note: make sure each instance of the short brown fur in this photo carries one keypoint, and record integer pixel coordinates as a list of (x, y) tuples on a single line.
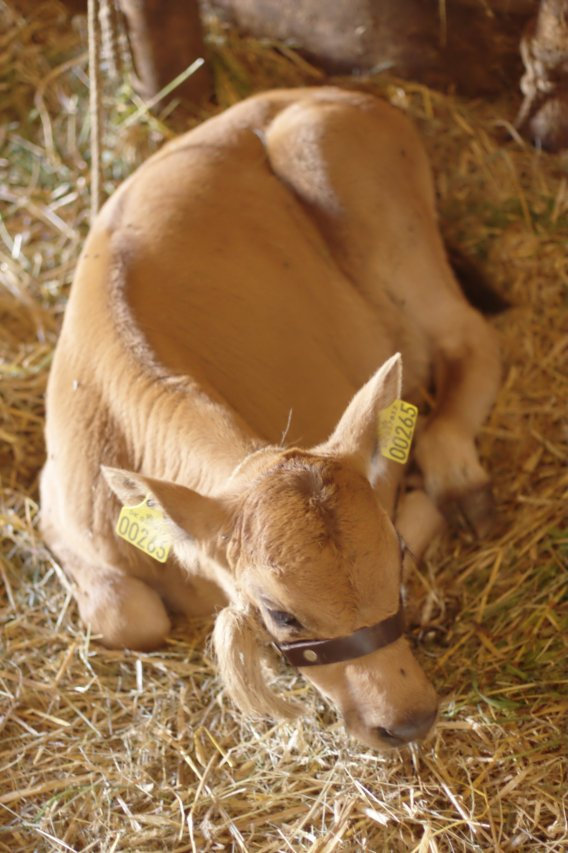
[(252, 274)]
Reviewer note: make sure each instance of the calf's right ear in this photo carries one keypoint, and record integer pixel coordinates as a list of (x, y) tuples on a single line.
[(199, 516), (356, 435)]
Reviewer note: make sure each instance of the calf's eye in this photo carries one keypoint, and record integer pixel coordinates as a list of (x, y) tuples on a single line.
[(283, 619)]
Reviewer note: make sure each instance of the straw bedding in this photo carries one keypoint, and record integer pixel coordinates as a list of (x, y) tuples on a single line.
[(112, 751)]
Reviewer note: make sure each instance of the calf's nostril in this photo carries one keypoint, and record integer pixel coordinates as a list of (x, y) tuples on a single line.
[(388, 736), (383, 732)]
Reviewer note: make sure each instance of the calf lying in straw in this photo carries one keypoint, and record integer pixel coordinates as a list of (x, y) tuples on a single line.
[(242, 285)]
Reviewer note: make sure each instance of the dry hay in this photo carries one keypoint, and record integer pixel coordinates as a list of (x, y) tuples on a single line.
[(113, 751)]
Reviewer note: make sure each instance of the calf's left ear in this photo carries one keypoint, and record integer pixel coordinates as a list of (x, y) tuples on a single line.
[(199, 516), (356, 435)]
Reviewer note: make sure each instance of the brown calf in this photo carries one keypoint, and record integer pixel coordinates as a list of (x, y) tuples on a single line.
[(231, 299)]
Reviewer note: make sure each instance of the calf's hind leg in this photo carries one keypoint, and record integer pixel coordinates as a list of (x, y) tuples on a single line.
[(360, 169), (124, 611)]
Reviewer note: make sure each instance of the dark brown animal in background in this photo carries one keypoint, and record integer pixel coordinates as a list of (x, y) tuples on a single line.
[(438, 44), (543, 116)]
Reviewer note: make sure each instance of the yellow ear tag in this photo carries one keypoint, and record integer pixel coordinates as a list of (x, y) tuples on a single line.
[(143, 526), (396, 428)]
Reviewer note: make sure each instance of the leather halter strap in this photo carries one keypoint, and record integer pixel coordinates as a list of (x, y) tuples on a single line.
[(338, 649)]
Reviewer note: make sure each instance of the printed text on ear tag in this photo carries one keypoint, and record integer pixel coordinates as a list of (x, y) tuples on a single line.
[(144, 527), (396, 428)]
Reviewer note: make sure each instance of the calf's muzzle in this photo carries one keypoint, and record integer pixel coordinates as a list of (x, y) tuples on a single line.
[(414, 724)]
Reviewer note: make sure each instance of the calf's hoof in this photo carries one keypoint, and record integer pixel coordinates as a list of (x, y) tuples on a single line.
[(476, 508)]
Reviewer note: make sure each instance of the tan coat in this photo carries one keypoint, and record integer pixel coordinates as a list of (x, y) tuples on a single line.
[(232, 297)]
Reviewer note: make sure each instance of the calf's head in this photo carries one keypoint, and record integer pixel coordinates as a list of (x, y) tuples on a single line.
[(312, 556)]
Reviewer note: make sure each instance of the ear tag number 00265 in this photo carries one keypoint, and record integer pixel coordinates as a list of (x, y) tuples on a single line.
[(143, 526), (396, 428)]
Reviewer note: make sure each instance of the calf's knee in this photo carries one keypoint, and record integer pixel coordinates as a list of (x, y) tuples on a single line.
[(124, 612)]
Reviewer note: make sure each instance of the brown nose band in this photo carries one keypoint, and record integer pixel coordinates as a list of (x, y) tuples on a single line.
[(361, 642)]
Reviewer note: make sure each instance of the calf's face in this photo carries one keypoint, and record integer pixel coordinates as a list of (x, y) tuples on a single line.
[(318, 558), (309, 554)]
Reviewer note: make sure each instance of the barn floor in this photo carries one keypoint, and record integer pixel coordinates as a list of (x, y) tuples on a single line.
[(111, 751)]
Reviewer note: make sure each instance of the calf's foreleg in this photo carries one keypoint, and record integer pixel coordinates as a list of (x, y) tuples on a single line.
[(467, 378)]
